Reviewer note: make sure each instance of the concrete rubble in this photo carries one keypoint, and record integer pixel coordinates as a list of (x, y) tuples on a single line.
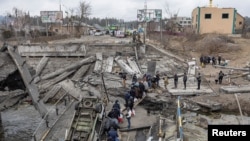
[(235, 89), (67, 72)]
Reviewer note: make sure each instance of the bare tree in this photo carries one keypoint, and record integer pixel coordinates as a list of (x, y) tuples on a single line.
[(21, 18), (171, 22), (84, 10)]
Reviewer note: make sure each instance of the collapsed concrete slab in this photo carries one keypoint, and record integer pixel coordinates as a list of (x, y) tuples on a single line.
[(77, 92), (51, 93), (10, 98), (27, 79), (69, 68), (191, 88), (98, 63), (7, 66), (124, 66), (108, 64), (133, 65), (41, 65), (56, 80), (55, 50), (235, 89), (81, 72)]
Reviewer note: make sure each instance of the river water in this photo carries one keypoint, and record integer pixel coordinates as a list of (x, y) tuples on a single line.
[(19, 124)]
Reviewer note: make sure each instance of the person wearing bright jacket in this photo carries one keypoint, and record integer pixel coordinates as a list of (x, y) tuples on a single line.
[(128, 116)]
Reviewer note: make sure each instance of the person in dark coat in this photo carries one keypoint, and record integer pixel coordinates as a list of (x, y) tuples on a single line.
[(116, 113), (157, 79), (127, 96), (175, 80), (199, 81), (131, 103), (213, 60), (221, 75), (134, 78), (141, 89), (113, 134), (201, 59), (111, 114), (117, 105), (219, 59), (148, 79), (185, 80), (208, 59)]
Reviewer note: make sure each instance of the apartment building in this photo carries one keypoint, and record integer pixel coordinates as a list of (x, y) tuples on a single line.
[(184, 21)]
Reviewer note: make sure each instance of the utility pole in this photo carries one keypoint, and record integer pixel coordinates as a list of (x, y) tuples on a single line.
[(60, 5), (161, 29), (47, 26), (145, 22)]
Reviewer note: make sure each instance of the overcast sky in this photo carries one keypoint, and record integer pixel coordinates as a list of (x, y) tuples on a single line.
[(121, 9)]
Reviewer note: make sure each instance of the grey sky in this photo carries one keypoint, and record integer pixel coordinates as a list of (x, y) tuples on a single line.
[(121, 9)]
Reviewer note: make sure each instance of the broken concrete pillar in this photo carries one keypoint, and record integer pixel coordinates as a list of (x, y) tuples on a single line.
[(69, 68), (41, 65), (124, 66)]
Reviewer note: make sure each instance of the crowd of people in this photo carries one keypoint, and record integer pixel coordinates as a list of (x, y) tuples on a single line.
[(139, 88), (204, 60)]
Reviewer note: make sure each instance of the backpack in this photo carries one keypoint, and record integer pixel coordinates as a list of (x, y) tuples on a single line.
[(129, 102), (148, 78)]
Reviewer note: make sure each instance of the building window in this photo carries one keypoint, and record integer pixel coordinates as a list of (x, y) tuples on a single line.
[(56, 30), (189, 22), (180, 22), (240, 23), (225, 16), (196, 18), (208, 16)]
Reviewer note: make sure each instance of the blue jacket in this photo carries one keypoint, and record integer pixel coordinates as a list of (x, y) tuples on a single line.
[(113, 134), (127, 95)]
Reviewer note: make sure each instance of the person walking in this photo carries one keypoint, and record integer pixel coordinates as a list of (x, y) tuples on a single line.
[(175, 80), (221, 75), (134, 78), (117, 105), (112, 133), (126, 97), (131, 103), (124, 78), (213, 60), (157, 76), (185, 80), (148, 79), (128, 116), (165, 81), (199, 81)]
